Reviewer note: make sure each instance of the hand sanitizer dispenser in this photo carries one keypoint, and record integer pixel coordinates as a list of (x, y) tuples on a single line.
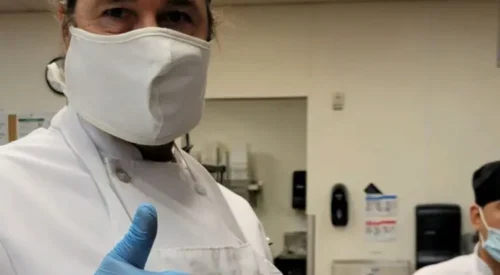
[(339, 205)]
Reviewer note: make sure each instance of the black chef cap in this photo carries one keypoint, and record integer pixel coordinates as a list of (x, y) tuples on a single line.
[(486, 183)]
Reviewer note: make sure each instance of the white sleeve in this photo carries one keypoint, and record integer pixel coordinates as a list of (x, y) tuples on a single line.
[(249, 223), (6, 267), (265, 243)]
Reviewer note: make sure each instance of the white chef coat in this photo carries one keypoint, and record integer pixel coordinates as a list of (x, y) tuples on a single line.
[(67, 195), (463, 265)]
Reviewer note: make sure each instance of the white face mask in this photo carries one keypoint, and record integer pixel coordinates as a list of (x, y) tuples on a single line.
[(146, 86)]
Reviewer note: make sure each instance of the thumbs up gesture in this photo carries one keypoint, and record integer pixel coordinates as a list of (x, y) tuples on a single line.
[(129, 257)]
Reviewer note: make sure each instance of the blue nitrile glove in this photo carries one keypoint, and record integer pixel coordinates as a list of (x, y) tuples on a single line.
[(129, 257)]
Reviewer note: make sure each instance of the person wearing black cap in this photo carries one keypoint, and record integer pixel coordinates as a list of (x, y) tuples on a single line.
[(485, 218)]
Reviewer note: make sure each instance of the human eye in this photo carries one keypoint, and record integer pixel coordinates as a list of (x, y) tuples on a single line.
[(117, 13), (118, 20), (176, 20)]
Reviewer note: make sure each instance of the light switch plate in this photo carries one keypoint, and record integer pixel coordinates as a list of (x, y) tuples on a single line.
[(338, 101)]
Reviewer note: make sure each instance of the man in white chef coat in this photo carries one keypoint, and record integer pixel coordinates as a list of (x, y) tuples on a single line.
[(135, 78), (485, 217)]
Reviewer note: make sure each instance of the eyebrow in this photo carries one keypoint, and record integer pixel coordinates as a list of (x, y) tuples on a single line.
[(180, 2), (119, 1), (169, 2)]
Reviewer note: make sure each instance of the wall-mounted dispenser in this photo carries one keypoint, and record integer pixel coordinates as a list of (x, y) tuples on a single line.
[(299, 190), (339, 205)]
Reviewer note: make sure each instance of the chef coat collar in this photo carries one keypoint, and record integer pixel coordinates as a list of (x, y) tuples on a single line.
[(480, 265), (108, 145)]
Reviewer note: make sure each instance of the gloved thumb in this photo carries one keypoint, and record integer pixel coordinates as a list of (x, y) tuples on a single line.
[(135, 247)]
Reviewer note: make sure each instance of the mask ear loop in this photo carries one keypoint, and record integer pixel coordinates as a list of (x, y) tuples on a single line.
[(210, 22), (57, 74), (483, 220)]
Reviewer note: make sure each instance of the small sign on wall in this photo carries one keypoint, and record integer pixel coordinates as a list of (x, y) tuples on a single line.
[(13, 127), (380, 230), (27, 123), (381, 205), (380, 217)]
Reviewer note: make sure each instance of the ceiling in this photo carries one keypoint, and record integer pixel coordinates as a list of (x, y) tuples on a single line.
[(44, 5)]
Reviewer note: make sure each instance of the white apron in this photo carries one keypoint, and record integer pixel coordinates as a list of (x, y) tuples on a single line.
[(238, 259)]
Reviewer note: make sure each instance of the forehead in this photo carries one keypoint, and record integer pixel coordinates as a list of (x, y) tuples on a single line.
[(146, 3), (492, 206)]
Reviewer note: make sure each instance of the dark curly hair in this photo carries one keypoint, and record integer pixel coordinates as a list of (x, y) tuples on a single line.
[(71, 5)]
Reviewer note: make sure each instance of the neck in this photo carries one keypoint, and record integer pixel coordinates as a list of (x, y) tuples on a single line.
[(492, 263), (162, 153)]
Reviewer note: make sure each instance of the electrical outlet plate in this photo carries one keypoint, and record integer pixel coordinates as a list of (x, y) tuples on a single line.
[(338, 101)]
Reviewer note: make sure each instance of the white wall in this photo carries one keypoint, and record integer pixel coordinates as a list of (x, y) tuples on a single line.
[(421, 92), (276, 133), (27, 43), (421, 112), (262, 52)]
